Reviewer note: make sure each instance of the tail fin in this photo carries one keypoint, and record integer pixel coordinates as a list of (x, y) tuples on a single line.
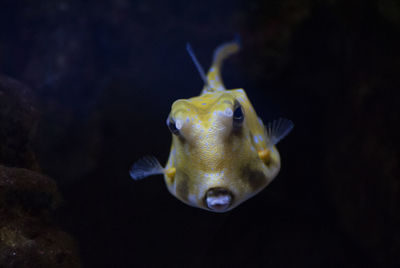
[(214, 74)]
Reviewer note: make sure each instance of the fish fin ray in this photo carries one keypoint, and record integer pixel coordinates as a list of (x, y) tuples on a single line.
[(144, 167), (277, 130), (197, 64)]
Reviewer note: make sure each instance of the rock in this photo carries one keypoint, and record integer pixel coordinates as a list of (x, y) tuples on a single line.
[(28, 236)]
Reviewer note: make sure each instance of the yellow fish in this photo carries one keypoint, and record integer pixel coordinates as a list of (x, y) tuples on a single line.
[(221, 153)]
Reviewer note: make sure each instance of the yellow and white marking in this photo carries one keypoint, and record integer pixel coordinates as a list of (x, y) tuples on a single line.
[(221, 153)]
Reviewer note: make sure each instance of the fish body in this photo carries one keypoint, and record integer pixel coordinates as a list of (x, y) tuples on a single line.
[(221, 152)]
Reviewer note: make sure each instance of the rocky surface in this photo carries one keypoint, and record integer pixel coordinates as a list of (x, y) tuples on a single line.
[(28, 236)]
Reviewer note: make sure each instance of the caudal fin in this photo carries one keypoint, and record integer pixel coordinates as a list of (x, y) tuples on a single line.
[(224, 51), (214, 80)]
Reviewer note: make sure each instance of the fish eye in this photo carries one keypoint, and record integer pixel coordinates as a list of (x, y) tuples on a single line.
[(172, 126), (238, 115)]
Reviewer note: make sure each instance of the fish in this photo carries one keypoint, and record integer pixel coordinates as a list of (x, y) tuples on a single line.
[(222, 154)]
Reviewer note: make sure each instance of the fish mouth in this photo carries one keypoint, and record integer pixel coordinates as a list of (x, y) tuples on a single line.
[(218, 199)]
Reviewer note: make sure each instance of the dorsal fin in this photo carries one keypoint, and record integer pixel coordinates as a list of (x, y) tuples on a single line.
[(197, 63)]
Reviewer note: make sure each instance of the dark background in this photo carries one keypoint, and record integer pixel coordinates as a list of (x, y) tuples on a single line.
[(105, 73)]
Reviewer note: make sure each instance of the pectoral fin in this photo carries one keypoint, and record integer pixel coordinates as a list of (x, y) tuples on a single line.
[(277, 130), (146, 166)]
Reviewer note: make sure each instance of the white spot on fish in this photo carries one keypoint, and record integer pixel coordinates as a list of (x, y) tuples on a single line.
[(192, 199), (178, 124), (228, 112)]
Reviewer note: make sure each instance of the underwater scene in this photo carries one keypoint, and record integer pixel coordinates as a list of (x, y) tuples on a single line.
[(199, 133)]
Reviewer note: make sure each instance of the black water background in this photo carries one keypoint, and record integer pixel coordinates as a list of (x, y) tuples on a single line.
[(106, 74)]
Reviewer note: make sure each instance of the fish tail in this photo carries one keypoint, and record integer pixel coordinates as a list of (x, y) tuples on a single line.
[(214, 80)]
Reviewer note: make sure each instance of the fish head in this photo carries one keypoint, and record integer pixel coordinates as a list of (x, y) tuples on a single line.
[(215, 152)]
